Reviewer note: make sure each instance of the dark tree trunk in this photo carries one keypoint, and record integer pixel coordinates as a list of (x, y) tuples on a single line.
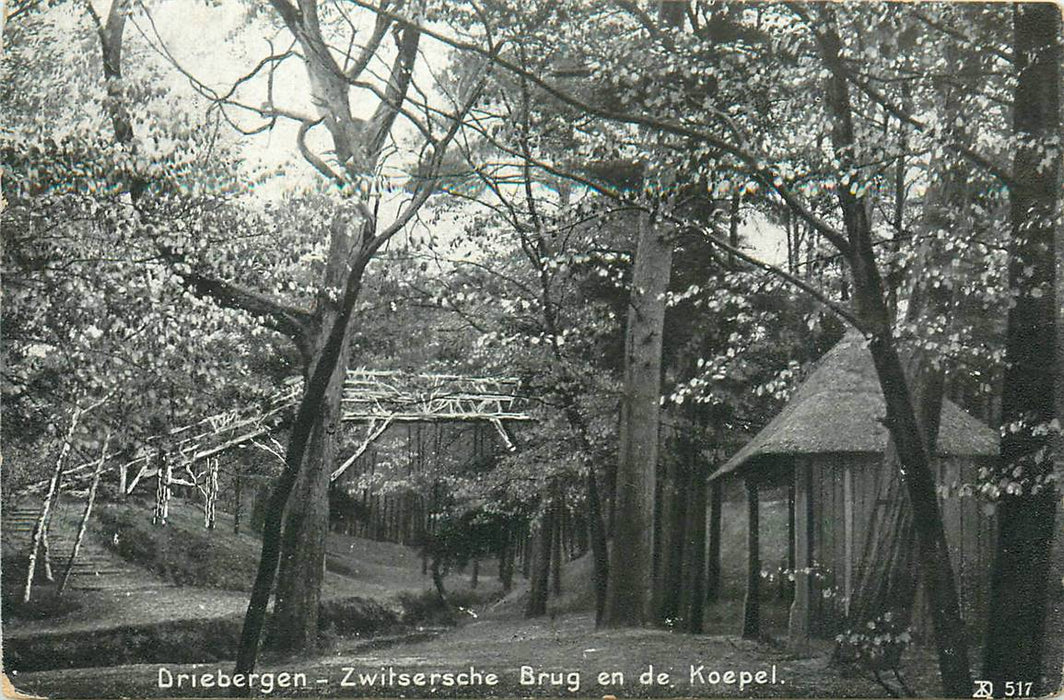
[(669, 573), (1054, 637), (527, 552), (558, 510), (871, 301), (294, 624), (599, 550), (1018, 590), (752, 603), (303, 425), (695, 585), (713, 553), (506, 559), (437, 582), (541, 546), (792, 557)]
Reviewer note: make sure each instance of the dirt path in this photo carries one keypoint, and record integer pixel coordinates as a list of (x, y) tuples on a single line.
[(566, 649)]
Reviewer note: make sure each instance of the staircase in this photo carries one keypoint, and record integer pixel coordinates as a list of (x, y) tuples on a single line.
[(96, 567)]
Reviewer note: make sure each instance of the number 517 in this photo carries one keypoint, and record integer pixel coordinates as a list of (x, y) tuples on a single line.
[(1013, 689), (1018, 689)]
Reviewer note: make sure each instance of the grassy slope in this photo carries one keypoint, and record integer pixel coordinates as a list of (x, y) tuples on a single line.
[(213, 569)]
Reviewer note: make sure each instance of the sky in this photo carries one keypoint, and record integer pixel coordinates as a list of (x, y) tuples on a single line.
[(219, 42)]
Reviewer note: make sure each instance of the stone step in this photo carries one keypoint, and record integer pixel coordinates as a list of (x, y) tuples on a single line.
[(103, 571)]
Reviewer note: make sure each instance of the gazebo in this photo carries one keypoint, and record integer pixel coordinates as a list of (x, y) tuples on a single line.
[(826, 448)]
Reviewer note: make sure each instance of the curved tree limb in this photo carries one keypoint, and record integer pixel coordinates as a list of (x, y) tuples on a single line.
[(755, 167)]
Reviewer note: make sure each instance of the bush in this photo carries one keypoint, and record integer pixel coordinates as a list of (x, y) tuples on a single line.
[(186, 556), (426, 608)]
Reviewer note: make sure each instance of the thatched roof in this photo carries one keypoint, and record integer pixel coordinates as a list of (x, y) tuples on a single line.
[(839, 409)]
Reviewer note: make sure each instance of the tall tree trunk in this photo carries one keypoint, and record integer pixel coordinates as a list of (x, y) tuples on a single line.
[(752, 602), (294, 624), (506, 558), (886, 574), (1018, 588), (713, 547), (695, 557), (905, 431), (1053, 666), (627, 603), (311, 405), (540, 574), (632, 521), (599, 551), (669, 573), (41, 526), (558, 508)]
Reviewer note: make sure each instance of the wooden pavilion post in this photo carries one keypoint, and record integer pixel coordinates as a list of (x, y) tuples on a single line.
[(752, 605), (789, 576), (799, 625)]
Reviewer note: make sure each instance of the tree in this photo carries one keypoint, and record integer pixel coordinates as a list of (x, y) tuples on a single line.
[(91, 308), (1026, 512), (321, 334)]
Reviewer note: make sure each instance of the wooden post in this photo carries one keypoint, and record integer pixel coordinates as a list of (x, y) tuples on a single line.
[(236, 504), (800, 624), (83, 525), (752, 605), (789, 577), (210, 493), (162, 490), (39, 528), (847, 517)]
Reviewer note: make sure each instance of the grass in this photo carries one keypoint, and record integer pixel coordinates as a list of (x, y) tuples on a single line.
[(199, 619), (184, 552), (43, 605), (176, 626)]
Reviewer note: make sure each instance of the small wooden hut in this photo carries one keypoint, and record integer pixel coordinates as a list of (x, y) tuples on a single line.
[(826, 448)]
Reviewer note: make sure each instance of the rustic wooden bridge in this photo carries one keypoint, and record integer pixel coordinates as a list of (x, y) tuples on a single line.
[(188, 455)]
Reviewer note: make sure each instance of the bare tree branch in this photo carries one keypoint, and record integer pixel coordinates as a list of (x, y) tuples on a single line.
[(755, 167)]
